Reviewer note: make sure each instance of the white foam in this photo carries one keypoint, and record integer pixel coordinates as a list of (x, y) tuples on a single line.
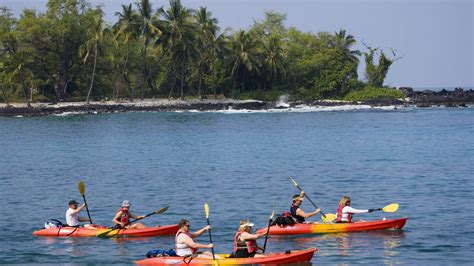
[(309, 109)]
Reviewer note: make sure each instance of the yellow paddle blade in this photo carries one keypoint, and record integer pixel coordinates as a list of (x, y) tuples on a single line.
[(162, 210), (391, 208), (271, 216), (329, 217), (206, 210), (81, 187)]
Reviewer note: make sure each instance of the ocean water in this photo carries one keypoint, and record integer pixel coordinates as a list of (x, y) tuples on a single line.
[(239, 162)]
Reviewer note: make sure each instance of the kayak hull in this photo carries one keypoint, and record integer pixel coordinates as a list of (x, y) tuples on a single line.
[(86, 232), (296, 256), (325, 228)]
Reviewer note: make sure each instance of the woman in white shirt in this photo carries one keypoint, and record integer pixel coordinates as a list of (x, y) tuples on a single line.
[(185, 245), (345, 211)]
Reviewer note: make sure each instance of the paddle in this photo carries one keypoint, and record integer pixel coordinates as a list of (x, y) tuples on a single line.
[(268, 228), (389, 208), (206, 210), (306, 195), (159, 211), (82, 189)]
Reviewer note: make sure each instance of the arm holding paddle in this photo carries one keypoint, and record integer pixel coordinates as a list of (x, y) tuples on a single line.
[(201, 231)]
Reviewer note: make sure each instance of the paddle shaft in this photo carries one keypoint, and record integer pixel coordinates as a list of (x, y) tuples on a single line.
[(210, 239), (314, 204), (266, 236), (87, 208)]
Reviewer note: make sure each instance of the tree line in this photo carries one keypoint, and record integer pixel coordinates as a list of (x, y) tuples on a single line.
[(70, 53)]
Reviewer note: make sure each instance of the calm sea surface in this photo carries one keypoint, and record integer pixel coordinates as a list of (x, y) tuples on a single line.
[(422, 159)]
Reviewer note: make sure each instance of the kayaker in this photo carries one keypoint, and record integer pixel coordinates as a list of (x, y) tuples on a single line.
[(123, 215), (297, 213), (245, 243), (185, 245), (345, 211), (72, 215)]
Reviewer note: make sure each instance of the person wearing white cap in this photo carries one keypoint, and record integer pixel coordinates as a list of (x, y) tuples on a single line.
[(123, 215), (72, 215), (297, 213), (245, 243)]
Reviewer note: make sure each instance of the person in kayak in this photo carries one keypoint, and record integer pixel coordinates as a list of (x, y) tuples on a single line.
[(72, 215), (345, 211), (245, 243), (297, 213), (185, 245), (123, 215)]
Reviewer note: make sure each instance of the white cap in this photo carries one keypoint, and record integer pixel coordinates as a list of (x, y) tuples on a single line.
[(247, 224), (126, 203)]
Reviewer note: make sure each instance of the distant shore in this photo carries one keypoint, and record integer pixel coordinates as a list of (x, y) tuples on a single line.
[(456, 98)]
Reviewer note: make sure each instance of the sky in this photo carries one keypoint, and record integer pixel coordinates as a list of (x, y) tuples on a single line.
[(433, 37)]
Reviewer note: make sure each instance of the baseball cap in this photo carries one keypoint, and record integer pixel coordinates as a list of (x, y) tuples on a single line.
[(73, 202)]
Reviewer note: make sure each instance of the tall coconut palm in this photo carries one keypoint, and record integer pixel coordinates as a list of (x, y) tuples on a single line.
[(344, 43), (127, 30), (148, 31), (245, 58), (207, 31), (97, 31), (180, 38), (274, 58)]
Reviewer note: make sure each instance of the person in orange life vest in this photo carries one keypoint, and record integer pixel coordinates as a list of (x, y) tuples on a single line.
[(345, 211), (245, 243), (123, 215), (185, 245), (72, 215), (297, 213)]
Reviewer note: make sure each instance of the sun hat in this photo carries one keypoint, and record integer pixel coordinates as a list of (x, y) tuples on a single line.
[(126, 203), (245, 224)]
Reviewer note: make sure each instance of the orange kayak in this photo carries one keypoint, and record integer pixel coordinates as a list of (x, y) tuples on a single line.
[(325, 228), (296, 256), (86, 232)]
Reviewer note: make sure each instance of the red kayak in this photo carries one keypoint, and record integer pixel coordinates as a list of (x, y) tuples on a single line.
[(86, 232), (296, 256), (324, 228)]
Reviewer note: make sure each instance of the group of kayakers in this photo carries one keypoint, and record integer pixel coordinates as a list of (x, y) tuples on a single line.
[(121, 218), (245, 242)]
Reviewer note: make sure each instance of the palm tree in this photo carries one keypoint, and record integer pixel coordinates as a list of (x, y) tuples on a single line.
[(179, 38), (245, 58), (207, 26), (274, 58), (127, 29), (97, 34), (344, 43), (148, 31)]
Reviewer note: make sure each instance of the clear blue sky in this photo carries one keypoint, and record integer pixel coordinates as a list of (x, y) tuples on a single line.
[(434, 37)]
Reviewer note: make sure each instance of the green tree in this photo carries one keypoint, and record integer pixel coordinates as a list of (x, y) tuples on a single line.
[(126, 31), (344, 43), (375, 74), (96, 32), (179, 39)]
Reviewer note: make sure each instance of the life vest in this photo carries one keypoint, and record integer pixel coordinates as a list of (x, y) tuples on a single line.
[(293, 209), (125, 218), (250, 245), (182, 248), (339, 215)]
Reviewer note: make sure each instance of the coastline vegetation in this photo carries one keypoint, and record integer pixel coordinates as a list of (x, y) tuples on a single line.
[(70, 53)]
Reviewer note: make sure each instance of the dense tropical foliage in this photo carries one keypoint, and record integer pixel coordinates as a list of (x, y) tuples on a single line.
[(70, 53)]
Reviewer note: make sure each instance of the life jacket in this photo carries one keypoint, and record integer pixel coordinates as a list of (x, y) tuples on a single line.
[(125, 218), (182, 246), (293, 209), (339, 215), (250, 245)]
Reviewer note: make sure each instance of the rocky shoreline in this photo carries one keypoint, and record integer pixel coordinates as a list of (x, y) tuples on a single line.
[(456, 98)]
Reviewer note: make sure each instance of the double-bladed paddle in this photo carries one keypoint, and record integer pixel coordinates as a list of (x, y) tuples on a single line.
[(206, 211), (306, 195), (389, 208), (82, 190), (270, 220), (117, 227)]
